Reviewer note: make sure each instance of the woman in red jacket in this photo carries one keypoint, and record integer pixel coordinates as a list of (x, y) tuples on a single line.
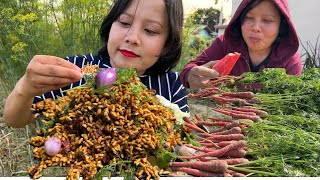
[(262, 31)]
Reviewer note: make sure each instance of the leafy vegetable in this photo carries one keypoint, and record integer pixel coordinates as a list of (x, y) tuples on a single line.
[(164, 157), (286, 94)]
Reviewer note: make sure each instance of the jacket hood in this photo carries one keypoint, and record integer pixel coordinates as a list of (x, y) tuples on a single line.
[(289, 43)]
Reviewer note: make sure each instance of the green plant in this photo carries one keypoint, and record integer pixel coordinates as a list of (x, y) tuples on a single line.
[(205, 16), (311, 55), (193, 43), (59, 28)]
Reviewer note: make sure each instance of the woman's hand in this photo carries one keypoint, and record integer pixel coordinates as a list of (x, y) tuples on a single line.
[(47, 73), (43, 74), (200, 75)]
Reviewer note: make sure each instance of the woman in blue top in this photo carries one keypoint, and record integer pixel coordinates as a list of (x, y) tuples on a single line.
[(140, 34)]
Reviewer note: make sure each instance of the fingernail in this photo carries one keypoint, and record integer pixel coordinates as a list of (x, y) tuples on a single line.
[(78, 75)]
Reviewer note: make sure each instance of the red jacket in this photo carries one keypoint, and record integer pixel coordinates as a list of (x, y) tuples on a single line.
[(284, 55)]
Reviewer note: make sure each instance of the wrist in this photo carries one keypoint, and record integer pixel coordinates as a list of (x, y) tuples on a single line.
[(21, 91)]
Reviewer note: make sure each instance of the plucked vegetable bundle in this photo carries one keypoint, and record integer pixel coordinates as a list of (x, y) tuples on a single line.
[(105, 131), (278, 116)]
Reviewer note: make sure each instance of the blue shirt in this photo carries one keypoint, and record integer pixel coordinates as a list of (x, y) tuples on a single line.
[(167, 85)]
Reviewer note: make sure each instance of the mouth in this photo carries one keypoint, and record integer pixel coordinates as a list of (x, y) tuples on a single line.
[(254, 39), (128, 54)]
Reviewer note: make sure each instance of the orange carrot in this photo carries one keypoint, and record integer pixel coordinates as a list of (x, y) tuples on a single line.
[(224, 143), (235, 123), (225, 100), (194, 127), (215, 89), (234, 130), (235, 174), (199, 173), (201, 149), (217, 123), (204, 93), (236, 161), (220, 119), (237, 153), (191, 125), (241, 112), (210, 166), (209, 145), (217, 152), (198, 118), (188, 120), (242, 95), (242, 116), (204, 140), (251, 109), (228, 137)]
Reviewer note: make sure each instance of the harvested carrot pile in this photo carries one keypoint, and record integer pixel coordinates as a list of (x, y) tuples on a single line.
[(111, 131), (267, 124)]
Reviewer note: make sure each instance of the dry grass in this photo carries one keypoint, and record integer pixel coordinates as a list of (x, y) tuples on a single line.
[(15, 153)]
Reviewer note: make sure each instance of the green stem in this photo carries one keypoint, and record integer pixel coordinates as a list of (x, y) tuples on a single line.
[(253, 171), (83, 86)]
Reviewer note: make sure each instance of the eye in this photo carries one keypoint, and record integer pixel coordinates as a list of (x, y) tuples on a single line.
[(124, 23), (151, 32), (268, 21)]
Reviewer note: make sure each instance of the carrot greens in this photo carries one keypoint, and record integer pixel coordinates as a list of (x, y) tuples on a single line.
[(292, 149), (286, 94)]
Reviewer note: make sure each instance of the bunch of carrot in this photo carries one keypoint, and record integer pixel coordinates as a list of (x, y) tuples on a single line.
[(224, 145), (226, 97), (284, 142), (218, 150)]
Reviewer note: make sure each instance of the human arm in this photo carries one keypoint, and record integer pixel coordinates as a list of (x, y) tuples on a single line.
[(43, 74), (199, 71)]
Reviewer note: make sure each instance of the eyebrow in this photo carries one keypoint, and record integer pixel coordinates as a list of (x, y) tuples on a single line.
[(149, 20)]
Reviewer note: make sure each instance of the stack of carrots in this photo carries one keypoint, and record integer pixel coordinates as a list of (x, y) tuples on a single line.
[(223, 145)]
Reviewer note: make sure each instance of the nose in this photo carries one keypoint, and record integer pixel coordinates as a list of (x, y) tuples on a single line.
[(256, 26), (132, 36)]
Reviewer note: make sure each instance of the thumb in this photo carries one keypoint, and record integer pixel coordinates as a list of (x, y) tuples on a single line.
[(210, 64), (208, 72)]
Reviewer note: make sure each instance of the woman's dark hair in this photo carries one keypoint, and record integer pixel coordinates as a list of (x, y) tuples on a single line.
[(171, 54), (283, 29)]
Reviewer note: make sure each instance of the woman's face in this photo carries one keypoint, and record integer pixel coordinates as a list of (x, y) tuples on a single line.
[(138, 37), (260, 27)]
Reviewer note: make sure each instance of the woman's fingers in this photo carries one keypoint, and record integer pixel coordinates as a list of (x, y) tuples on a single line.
[(56, 61), (51, 66), (40, 80), (196, 82), (200, 75), (204, 72), (47, 73), (210, 64)]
